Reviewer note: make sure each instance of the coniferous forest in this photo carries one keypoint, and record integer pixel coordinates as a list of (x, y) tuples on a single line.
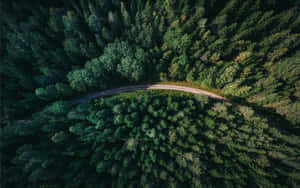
[(53, 53)]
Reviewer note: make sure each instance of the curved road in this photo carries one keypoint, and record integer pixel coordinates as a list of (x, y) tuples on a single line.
[(146, 87)]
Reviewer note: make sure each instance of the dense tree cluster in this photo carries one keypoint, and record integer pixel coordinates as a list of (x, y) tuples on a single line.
[(119, 61), (53, 51), (249, 49), (148, 140)]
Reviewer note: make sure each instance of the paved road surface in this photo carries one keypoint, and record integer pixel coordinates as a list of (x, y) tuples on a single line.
[(146, 87)]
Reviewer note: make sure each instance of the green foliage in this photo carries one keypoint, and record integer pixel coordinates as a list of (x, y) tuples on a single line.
[(52, 50), (179, 67), (133, 68), (63, 89), (60, 107), (177, 40), (141, 146), (81, 79), (118, 59), (238, 43)]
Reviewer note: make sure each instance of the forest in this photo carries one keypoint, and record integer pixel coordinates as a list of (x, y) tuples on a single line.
[(150, 139), (53, 52)]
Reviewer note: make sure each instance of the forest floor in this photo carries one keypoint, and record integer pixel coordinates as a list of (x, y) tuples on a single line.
[(149, 87)]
